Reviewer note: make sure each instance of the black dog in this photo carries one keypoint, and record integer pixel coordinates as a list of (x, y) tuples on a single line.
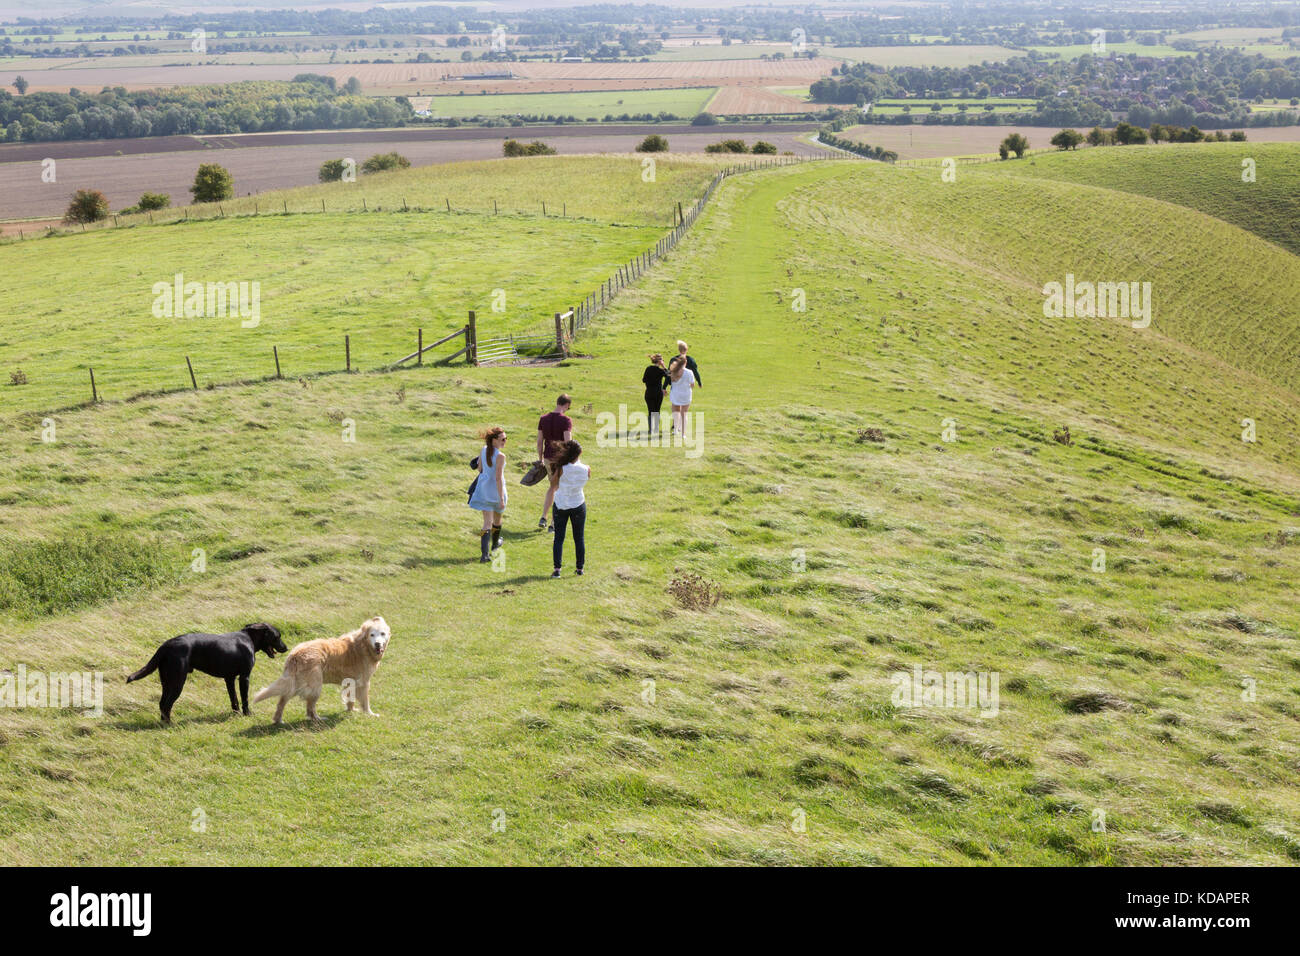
[(221, 655)]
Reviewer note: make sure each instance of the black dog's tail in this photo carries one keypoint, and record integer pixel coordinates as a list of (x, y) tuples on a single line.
[(147, 669)]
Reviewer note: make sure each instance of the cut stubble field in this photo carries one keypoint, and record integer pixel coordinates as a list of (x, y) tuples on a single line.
[(443, 78)]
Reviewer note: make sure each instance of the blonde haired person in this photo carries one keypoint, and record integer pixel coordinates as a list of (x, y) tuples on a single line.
[(489, 494), (690, 362), (681, 382)]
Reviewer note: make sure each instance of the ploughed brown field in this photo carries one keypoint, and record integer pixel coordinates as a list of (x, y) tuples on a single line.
[(264, 161), (444, 78)]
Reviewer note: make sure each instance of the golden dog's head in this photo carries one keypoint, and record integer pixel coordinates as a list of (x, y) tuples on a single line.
[(376, 634)]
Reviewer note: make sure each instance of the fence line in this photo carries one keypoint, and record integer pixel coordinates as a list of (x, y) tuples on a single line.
[(970, 160), (550, 344)]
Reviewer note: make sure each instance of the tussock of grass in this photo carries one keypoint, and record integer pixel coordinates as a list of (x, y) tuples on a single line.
[(40, 578)]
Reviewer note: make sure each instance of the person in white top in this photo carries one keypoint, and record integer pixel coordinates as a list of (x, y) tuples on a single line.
[(570, 504), (681, 382)]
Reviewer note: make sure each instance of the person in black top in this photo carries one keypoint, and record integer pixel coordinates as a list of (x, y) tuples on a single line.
[(690, 363), (655, 379)]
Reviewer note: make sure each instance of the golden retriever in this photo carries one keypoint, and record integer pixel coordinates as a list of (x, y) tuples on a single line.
[(349, 660)]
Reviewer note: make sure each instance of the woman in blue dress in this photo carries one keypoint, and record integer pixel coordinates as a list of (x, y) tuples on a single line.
[(490, 490)]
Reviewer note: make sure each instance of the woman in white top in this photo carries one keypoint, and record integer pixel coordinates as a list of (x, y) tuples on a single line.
[(681, 382), (570, 504)]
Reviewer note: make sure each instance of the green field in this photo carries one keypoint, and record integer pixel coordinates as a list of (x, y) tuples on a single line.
[(600, 719), (1121, 48), (593, 104), (393, 273)]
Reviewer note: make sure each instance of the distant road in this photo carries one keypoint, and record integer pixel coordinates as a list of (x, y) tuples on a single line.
[(124, 168)]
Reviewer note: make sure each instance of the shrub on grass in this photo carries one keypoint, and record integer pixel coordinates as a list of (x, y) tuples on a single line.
[(1015, 143), (1067, 139), (385, 162), (695, 593), (212, 183), (88, 205), (331, 171), (513, 148), (727, 146), (653, 143)]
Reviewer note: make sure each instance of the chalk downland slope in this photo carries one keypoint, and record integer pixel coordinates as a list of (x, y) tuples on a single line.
[(364, 269), (1204, 176), (879, 489)]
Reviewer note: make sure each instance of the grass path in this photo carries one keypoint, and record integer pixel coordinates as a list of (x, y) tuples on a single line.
[(510, 696)]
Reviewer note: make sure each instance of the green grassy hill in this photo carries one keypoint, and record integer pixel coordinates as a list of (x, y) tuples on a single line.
[(602, 720), (377, 276), (1204, 176)]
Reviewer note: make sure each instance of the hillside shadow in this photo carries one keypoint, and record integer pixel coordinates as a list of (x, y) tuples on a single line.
[(412, 563), (154, 722)]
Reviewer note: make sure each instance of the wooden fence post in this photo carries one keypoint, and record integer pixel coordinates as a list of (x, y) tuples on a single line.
[(559, 333), (448, 203), (494, 207), (275, 350), (419, 347), (190, 366), (347, 350), (94, 393), (680, 219), (543, 208), (573, 322), (471, 334)]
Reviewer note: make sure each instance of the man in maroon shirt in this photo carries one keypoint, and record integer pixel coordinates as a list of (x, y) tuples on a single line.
[(553, 430)]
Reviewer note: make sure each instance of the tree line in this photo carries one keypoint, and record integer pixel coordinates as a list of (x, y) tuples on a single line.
[(307, 102)]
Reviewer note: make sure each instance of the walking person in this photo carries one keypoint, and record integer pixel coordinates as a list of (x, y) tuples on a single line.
[(553, 429), (489, 494), (690, 362), (570, 505), (655, 379), (681, 381)]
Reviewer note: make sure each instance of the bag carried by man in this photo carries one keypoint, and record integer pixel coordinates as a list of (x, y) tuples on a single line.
[(535, 474)]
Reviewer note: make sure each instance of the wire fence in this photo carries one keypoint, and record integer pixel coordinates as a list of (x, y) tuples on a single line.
[(107, 377), (969, 160), (547, 343)]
